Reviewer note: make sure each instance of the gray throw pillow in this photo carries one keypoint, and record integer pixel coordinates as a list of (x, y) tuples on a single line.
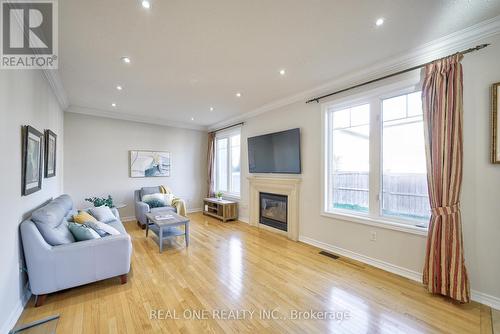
[(102, 214)]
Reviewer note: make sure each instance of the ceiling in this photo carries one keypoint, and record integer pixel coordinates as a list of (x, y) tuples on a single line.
[(188, 56)]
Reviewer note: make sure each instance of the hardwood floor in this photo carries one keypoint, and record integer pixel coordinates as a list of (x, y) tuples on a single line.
[(232, 266), (495, 314)]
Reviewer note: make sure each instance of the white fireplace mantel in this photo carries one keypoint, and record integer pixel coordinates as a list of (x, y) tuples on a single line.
[(289, 187)]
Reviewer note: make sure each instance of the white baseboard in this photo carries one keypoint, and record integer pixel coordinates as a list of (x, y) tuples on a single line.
[(244, 220), (193, 210), (476, 296), (16, 311), (410, 274), (483, 298)]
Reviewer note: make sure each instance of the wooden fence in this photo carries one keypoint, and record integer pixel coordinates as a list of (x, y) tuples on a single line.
[(403, 195)]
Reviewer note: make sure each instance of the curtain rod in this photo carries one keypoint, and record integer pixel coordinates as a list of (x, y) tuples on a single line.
[(227, 127), (316, 99)]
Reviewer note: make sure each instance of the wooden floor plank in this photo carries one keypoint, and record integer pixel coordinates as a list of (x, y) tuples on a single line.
[(231, 267)]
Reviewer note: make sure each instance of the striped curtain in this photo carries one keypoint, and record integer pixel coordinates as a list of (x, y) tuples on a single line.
[(442, 92), (211, 165)]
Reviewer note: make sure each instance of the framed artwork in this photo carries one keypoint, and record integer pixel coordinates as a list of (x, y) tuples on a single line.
[(32, 160), (50, 153), (495, 123), (150, 164)]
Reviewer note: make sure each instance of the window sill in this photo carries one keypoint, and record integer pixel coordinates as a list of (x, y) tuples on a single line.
[(229, 196), (377, 222)]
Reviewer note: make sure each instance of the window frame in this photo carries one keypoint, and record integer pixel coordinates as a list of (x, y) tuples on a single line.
[(374, 216), (221, 135)]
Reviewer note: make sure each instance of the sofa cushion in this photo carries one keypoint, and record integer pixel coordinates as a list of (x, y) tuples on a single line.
[(82, 232), (50, 221), (163, 208), (116, 224), (149, 191), (70, 214), (65, 201)]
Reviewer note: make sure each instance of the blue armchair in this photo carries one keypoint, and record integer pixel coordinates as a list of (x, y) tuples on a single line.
[(142, 208)]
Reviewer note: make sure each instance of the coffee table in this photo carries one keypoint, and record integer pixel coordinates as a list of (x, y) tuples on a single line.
[(167, 228)]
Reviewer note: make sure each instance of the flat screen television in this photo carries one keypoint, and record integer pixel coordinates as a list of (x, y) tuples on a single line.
[(277, 152)]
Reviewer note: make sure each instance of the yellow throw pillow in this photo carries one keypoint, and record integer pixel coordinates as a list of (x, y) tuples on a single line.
[(82, 217)]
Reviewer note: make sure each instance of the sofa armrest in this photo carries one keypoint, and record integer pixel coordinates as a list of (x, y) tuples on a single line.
[(141, 209)]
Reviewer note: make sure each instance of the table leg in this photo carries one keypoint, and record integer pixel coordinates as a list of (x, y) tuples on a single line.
[(161, 239), (147, 227), (186, 232)]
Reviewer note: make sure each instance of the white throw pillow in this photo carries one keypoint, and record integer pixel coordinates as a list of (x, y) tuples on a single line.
[(102, 228), (168, 198), (154, 200), (158, 196), (102, 213)]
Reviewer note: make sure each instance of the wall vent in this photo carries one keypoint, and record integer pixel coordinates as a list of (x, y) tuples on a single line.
[(330, 255)]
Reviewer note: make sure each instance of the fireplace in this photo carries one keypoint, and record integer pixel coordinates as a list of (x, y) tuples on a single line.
[(274, 210)]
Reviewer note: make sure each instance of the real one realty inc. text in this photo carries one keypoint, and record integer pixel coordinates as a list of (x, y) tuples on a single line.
[(243, 314)]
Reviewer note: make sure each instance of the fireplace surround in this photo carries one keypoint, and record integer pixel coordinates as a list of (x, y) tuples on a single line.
[(289, 187)]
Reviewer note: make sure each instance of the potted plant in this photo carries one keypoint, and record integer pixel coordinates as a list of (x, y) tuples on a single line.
[(219, 195), (100, 201)]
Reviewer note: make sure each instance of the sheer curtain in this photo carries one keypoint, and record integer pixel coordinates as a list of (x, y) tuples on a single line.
[(442, 92)]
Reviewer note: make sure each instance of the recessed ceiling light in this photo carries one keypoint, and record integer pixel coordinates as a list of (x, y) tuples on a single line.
[(282, 72), (113, 105), (119, 87), (238, 94), (126, 60), (379, 22), (211, 108), (146, 4), (192, 118)]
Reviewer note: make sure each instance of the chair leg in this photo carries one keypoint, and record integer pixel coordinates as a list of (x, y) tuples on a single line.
[(140, 225), (40, 299), (123, 278)]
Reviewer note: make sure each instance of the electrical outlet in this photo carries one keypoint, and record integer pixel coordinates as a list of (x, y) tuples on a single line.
[(373, 236)]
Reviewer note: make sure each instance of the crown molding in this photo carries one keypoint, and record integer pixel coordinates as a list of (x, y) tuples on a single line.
[(132, 118), (55, 83), (438, 48)]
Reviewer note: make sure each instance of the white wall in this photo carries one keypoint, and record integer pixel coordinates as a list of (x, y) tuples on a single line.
[(481, 184), (25, 99), (401, 251), (97, 159)]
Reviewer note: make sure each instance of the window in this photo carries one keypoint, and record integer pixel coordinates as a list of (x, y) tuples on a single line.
[(404, 171), (350, 158), (375, 167), (227, 163)]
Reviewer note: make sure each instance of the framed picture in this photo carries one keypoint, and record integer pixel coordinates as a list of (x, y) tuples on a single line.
[(32, 160), (149, 164), (495, 123), (50, 153)]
